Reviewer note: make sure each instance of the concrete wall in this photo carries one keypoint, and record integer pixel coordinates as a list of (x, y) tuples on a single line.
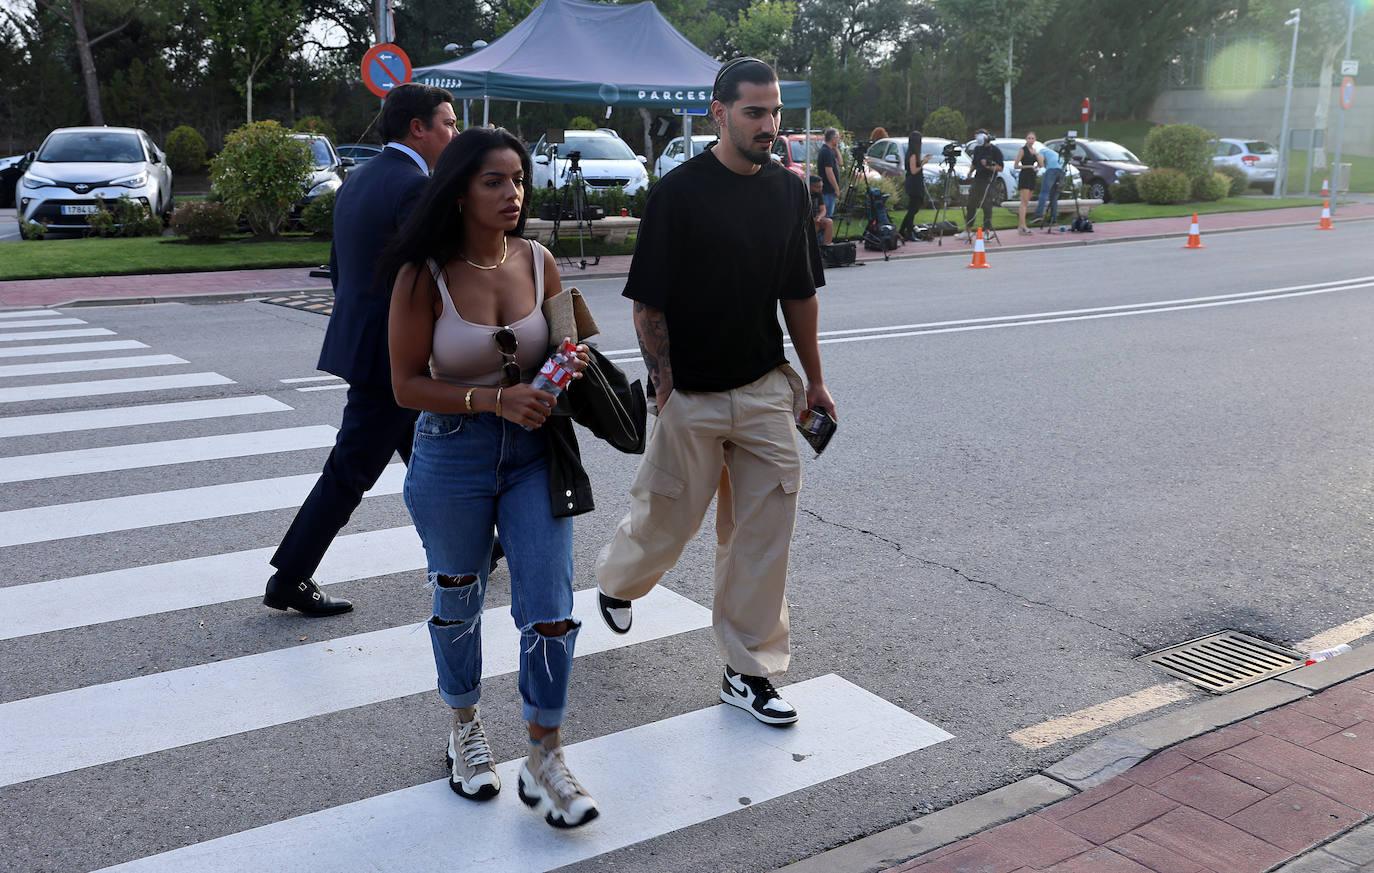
[(1258, 114)]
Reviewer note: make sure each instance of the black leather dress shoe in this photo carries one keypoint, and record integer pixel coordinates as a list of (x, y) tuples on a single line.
[(302, 595)]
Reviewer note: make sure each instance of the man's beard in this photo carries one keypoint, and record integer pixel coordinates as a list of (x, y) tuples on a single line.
[(759, 156)]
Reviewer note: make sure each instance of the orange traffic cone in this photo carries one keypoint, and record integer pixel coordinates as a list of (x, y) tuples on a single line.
[(980, 257), (1325, 223), (1194, 237), (1326, 188)]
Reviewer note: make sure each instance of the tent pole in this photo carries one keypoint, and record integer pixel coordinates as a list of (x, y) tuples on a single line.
[(486, 110), (807, 140), (466, 125), (686, 136)]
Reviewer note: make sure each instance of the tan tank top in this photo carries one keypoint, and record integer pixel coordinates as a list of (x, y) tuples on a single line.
[(465, 353)]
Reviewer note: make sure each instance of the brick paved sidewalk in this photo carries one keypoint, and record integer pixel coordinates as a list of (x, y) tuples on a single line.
[(1243, 799), (245, 283)]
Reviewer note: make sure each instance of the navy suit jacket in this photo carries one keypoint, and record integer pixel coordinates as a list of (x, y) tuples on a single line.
[(371, 206)]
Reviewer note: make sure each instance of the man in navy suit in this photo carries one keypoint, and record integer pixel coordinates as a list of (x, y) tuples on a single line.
[(417, 122)]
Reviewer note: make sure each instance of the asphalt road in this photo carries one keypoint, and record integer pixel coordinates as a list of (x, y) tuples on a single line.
[(1041, 473)]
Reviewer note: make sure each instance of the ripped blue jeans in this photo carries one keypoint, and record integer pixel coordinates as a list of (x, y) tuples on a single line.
[(468, 473)]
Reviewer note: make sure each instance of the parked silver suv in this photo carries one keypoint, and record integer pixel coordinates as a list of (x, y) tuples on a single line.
[(78, 167)]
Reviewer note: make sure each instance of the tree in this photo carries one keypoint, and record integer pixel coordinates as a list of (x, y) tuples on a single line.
[(74, 12), (762, 30), (252, 31), (990, 27)]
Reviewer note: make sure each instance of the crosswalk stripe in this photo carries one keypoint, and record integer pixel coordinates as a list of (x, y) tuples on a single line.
[(132, 362), (648, 781), (128, 416), (84, 727), (42, 322), (69, 348), (132, 592), (64, 520), (53, 334), (49, 465), (28, 313), (309, 379), (111, 386)]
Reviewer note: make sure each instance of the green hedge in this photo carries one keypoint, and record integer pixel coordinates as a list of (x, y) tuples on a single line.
[(185, 150), (203, 221), (1164, 186), (1126, 190), (1211, 188), (1182, 147), (318, 217), (1239, 181)]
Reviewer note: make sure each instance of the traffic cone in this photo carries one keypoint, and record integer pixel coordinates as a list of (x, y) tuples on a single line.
[(1326, 188), (980, 257), (1325, 223), (1194, 237)]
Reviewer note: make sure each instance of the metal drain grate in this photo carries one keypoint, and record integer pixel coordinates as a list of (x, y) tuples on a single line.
[(309, 301), (1225, 661)]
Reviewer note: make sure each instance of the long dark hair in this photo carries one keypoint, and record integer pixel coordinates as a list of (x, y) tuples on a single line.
[(435, 226)]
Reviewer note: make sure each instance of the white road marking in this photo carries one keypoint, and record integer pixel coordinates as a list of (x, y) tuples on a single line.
[(69, 348), (28, 313), (64, 520), (324, 388), (111, 386), (56, 733), (1102, 714), (50, 465), (54, 334), (309, 379), (648, 781), (42, 322), (127, 416), (133, 592), (132, 362)]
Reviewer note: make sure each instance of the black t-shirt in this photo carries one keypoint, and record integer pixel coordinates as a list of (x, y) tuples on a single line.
[(827, 158), (992, 154), (716, 251), (913, 148)]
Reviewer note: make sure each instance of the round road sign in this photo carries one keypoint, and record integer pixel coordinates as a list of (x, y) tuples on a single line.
[(384, 67), (1348, 92)]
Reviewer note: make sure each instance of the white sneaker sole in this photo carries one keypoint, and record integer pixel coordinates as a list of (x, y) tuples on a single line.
[(748, 706), (486, 789), (533, 796)]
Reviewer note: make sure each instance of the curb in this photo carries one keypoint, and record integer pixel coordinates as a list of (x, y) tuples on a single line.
[(231, 297), (1109, 756)]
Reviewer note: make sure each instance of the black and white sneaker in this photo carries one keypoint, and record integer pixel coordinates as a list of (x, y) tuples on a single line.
[(618, 614), (757, 696)]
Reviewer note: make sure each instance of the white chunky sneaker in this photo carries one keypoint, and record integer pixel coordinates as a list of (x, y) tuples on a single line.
[(756, 696), (472, 773), (547, 786)]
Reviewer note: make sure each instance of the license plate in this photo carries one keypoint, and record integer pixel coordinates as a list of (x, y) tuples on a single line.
[(80, 210)]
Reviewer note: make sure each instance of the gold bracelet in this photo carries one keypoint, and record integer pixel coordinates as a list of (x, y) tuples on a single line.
[(467, 399), (498, 401)]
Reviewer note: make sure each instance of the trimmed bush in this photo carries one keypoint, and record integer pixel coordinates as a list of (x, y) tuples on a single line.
[(203, 222), (581, 122), (261, 173), (1126, 191), (123, 217), (1239, 181), (33, 229), (823, 118), (318, 217), (101, 224), (185, 151), (1164, 186), (316, 125), (1211, 188), (946, 123), (1182, 147)]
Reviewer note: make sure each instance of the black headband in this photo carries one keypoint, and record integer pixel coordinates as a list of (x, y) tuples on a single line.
[(730, 65)]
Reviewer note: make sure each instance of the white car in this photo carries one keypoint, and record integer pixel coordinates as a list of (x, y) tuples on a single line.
[(1004, 186), (675, 154), (77, 168), (605, 160), (1258, 159)]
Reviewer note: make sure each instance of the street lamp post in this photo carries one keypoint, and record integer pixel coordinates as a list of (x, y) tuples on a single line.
[(1281, 183)]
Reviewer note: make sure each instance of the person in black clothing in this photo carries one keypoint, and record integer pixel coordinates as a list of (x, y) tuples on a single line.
[(1027, 161), (987, 163), (418, 122), (828, 168), (914, 183), (825, 225)]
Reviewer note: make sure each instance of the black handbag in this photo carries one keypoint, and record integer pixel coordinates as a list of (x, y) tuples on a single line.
[(608, 404)]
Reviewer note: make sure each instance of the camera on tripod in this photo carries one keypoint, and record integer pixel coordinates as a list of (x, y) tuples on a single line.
[(1066, 147), (573, 158), (951, 151), (860, 150)]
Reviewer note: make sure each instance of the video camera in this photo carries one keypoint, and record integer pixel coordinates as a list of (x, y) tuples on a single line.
[(1066, 147), (951, 151), (860, 150), (573, 157)]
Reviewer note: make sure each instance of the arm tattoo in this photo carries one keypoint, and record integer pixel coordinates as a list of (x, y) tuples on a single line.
[(651, 325)]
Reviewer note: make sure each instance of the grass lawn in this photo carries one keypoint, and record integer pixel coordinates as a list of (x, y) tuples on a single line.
[(1361, 172), (69, 258)]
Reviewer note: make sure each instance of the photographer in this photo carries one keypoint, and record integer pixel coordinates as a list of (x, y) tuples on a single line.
[(1049, 185), (987, 163)]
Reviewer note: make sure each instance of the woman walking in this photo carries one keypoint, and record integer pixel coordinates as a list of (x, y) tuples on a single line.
[(467, 331), (1027, 160)]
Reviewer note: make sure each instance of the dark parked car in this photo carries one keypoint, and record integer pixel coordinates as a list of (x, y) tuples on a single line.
[(11, 169), (1102, 163), (360, 152)]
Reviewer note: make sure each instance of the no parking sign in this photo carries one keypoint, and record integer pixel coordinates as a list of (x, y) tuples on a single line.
[(384, 67)]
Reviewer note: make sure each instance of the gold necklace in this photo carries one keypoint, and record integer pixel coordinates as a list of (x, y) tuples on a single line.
[(504, 252)]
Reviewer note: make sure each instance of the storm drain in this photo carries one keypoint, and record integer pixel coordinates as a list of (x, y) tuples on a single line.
[(309, 301), (1225, 661)]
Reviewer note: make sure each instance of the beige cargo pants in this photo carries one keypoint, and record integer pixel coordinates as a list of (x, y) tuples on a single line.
[(751, 432)]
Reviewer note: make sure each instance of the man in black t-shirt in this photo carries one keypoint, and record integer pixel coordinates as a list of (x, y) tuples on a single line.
[(987, 163), (828, 168), (724, 238)]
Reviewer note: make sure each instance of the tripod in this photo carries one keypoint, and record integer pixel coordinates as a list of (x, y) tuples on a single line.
[(572, 200), (1054, 199), (846, 206), (942, 210)]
